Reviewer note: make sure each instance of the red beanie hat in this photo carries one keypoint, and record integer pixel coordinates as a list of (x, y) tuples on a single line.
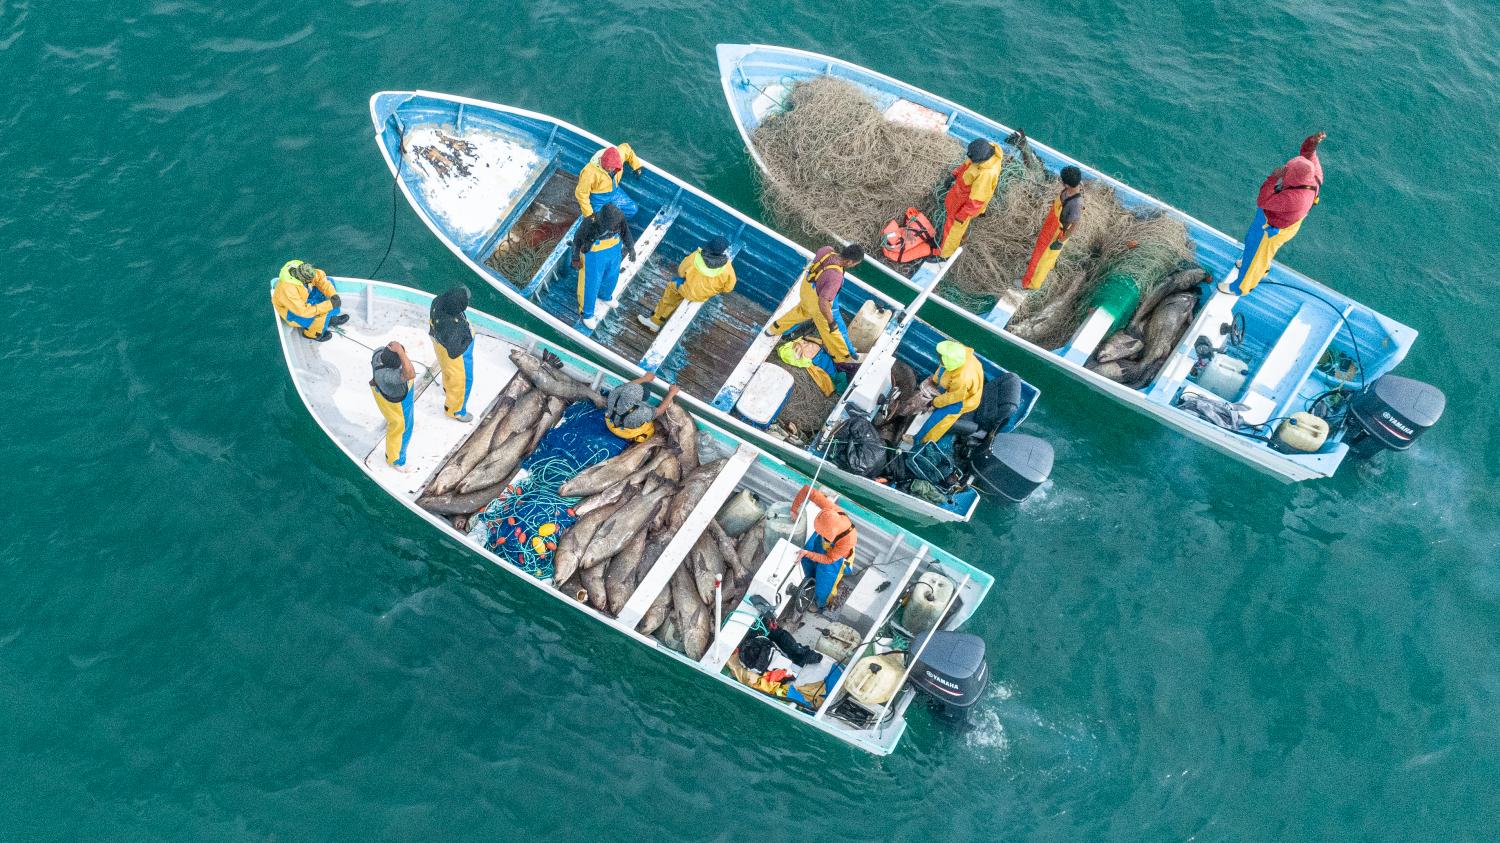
[(610, 160)]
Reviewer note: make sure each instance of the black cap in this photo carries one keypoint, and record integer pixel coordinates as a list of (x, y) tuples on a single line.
[(980, 150), (716, 246), (610, 215), (853, 252), (1072, 176)]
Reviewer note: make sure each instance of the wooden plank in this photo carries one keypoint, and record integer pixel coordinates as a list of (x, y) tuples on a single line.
[(677, 549), (549, 266), (524, 197)]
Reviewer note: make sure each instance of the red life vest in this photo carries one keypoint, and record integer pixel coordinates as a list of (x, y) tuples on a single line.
[(908, 237)]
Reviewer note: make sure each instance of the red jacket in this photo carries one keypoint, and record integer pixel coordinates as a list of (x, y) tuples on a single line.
[(1300, 179)]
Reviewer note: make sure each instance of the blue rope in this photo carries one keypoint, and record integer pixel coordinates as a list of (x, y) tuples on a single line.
[(514, 521)]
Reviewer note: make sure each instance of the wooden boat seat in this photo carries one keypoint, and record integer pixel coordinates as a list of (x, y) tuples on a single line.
[(1274, 385)]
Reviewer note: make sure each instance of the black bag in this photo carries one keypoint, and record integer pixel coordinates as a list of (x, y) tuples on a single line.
[(800, 654), (755, 652), (858, 447)]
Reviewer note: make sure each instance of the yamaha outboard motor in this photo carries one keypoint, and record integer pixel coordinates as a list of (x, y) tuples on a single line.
[(1391, 414), (951, 671), (1013, 466)]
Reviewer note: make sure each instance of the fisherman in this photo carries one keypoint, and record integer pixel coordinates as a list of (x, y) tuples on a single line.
[(597, 249), (1066, 210), (702, 275), (629, 415), (599, 180), (304, 298), (830, 548), (818, 292), (1286, 197), (961, 379), (393, 382), (972, 186), (453, 343), (807, 354)]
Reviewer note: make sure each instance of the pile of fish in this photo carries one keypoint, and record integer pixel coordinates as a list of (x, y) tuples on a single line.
[(1135, 354), (630, 506), (527, 408)]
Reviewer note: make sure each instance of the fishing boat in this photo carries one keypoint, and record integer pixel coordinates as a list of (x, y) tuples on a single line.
[(1291, 359), (838, 654), (496, 185)]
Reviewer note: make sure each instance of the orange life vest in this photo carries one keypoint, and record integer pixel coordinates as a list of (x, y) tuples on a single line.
[(908, 237)]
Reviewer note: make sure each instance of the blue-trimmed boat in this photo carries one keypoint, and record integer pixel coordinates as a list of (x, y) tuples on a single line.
[(891, 564), (496, 183), (1298, 348)]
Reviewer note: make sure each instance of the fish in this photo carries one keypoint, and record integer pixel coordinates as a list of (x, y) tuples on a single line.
[(1180, 281), (1121, 345), (619, 574), (725, 544), (554, 382), (666, 466), (550, 415), (627, 519), (691, 492), (461, 504), (683, 434), (575, 540), (497, 467), (667, 633), (592, 580), (657, 612), (478, 444), (1163, 330), (690, 614), (521, 418), (749, 549), (708, 567), (604, 498), (612, 471)]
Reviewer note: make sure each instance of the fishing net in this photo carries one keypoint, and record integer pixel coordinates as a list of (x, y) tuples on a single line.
[(837, 167)]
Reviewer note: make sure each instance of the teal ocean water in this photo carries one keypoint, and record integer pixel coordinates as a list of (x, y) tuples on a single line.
[(213, 627)]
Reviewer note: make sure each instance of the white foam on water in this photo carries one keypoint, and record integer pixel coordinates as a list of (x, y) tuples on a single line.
[(985, 730), (497, 169)]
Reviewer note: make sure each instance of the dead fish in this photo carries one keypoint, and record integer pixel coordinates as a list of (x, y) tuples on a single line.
[(690, 614), (749, 548), (619, 574), (604, 498), (691, 492), (575, 540), (725, 545), (497, 467), (1163, 330), (683, 434), (478, 444), (593, 587), (1121, 345), (521, 418), (612, 471), (554, 382), (667, 633), (657, 612), (1180, 281), (619, 529), (461, 504), (734, 593), (707, 566), (550, 415)]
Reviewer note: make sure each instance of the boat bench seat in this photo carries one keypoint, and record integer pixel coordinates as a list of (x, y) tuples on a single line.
[(1274, 385)]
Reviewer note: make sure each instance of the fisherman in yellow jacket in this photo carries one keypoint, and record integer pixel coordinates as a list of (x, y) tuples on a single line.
[(702, 275), (304, 298), (961, 379), (971, 189), (599, 180)]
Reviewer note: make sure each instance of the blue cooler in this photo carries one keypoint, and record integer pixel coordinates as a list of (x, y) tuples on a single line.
[(765, 395)]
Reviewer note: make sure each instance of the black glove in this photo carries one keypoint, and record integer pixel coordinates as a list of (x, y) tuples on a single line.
[(948, 182), (337, 302), (630, 254)]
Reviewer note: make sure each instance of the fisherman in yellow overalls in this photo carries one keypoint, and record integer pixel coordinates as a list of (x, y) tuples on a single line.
[(304, 297), (702, 275), (969, 193), (599, 180), (961, 377), (629, 415), (453, 343), (393, 383), (1064, 214), (817, 300)]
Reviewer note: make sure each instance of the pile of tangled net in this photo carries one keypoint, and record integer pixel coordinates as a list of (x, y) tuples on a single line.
[(837, 167)]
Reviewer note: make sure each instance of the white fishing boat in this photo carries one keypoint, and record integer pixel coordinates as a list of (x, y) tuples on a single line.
[(1292, 352), (840, 652), (496, 185)]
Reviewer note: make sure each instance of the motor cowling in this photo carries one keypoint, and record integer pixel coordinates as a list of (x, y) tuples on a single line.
[(1392, 414), (1013, 466), (951, 669)]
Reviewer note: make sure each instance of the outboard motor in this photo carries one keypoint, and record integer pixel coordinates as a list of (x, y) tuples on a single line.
[(1391, 414), (951, 672), (1013, 466)]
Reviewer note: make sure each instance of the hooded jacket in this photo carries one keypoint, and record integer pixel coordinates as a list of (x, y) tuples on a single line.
[(1287, 203)]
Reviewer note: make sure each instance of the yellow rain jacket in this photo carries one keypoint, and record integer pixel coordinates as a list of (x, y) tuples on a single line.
[(594, 179), (700, 282), (965, 383), (290, 295)]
